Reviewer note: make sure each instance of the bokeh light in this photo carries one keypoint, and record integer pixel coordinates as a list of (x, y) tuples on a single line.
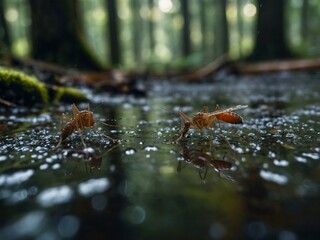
[(165, 6), (249, 10)]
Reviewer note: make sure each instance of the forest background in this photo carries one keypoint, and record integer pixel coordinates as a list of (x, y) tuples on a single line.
[(162, 35)]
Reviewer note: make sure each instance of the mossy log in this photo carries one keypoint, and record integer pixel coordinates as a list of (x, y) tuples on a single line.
[(69, 95), (19, 88)]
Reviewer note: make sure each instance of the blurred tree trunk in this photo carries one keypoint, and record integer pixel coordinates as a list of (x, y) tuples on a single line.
[(136, 30), (55, 36), (186, 44), (151, 26), (240, 25), (203, 25), (221, 28), (270, 34), (113, 32), (4, 33), (304, 20)]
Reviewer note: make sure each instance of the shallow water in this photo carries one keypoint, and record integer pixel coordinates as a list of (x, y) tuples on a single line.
[(258, 180)]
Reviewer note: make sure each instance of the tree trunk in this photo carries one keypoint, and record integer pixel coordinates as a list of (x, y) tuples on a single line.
[(224, 28), (270, 34), (55, 36), (113, 33), (203, 25), (304, 20), (4, 33), (151, 26), (136, 30), (221, 29), (186, 43), (240, 26)]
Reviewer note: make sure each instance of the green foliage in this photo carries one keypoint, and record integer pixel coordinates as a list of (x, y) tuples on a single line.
[(69, 95), (18, 87)]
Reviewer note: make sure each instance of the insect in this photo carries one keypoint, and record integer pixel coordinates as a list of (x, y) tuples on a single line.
[(206, 119), (81, 120)]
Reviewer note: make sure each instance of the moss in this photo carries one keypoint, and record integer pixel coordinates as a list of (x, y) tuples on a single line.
[(17, 87), (69, 95)]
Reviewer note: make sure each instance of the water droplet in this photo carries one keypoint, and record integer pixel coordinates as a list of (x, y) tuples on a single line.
[(172, 152), (99, 202), (93, 186), (271, 154), (18, 196), (135, 214), (54, 196), (56, 166), (130, 151), (239, 150), (274, 177), (38, 148), (43, 166), (88, 150), (17, 177), (300, 159), (68, 226), (146, 108), (313, 156), (290, 135), (28, 225), (282, 163), (151, 148)]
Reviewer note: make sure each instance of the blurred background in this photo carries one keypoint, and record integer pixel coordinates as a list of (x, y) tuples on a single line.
[(158, 35)]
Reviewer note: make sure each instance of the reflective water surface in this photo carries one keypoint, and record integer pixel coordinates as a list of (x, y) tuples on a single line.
[(259, 180)]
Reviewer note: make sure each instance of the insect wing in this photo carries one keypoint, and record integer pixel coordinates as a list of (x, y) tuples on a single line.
[(227, 110)]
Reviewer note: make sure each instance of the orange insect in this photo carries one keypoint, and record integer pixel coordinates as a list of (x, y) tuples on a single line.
[(81, 120), (206, 119)]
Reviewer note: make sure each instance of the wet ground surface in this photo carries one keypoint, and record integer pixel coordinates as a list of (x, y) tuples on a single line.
[(259, 180)]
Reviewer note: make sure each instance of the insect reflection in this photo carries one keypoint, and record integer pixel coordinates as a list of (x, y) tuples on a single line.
[(206, 119), (202, 161), (91, 157)]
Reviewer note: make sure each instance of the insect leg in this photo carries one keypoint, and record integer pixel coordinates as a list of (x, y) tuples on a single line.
[(203, 177), (82, 140), (185, 117), (179, 166), (75, 110), (88, 123), (112, 139), (187, 125), (184, 131), (66, 117)]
